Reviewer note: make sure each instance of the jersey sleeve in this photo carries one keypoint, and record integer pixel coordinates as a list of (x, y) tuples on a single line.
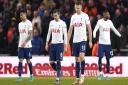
[(65, 33), (114, 29), (49, 33), (87, 20), (95, 29)]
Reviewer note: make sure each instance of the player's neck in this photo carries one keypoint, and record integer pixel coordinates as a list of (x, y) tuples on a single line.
[(105, 19), (78, 13), (24, 20), (57, 20)]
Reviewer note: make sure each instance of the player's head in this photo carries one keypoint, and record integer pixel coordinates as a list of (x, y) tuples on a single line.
[(56, 14), (23, 15), (106, 14), (78, 7)]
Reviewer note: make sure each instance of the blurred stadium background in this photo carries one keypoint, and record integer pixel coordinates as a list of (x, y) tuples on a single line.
[(39, 12)]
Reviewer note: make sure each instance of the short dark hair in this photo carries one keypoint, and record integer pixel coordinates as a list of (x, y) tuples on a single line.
[(78, 2), (23, 11), (106, 10), (56, 11)]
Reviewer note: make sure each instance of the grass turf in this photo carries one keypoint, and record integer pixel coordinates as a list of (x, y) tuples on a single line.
[(64, 81)]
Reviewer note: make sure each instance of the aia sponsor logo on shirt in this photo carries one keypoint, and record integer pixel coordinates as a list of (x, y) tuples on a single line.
[(56, 30), (22, 31), (106, 29), (77, 24)]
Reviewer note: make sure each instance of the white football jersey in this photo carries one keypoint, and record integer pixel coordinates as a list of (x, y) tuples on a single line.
[(58, 31), (104, 31), (24, 27), (79, 23)]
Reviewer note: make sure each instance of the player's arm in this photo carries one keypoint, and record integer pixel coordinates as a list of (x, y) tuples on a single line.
[(29, 36), (70, 30), (88, 25), (95, 29), (114, 30), (48, 37), (65, 37)]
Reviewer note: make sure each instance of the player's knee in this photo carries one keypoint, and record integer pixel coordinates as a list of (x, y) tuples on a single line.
[(77, 68), (28, 61), (20, 60), (99, 61), (78, 59), (51, 62), (108, 61), (82, 56)]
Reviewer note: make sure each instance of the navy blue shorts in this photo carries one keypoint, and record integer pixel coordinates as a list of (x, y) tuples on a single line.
[(56, 52), (78, 48), (104, 49), (24, 53)]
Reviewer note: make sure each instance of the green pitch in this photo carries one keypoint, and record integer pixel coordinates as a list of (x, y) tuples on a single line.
[(64, 81)]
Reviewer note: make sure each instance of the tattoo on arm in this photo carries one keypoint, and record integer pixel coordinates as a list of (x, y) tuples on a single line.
[(29, 36)]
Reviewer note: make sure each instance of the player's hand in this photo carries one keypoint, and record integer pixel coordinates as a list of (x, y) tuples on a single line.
[(65, 47), (23, 44), (46, 47), (90, 44)]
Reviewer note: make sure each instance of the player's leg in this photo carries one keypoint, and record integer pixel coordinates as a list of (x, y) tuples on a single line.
[(108, 56), (77, 65), (77, 70), (28, 56), (59, 58), (82, 68), (53, 65), (100, 55), (108, 68), (21, 57), (82, 54), (30, 69), (52, 57)]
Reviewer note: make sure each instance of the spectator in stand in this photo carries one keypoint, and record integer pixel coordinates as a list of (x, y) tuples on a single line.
[(12, 38), (111, 5), (95, 49), (1, 18), (90, 8), (29, 12), (1, 38), (118, 21), (37, 43), (49, 4), (68, 52), (45, 25), (36, 19), (44, 8), (41, 9), (125, 15), (101, 6)]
